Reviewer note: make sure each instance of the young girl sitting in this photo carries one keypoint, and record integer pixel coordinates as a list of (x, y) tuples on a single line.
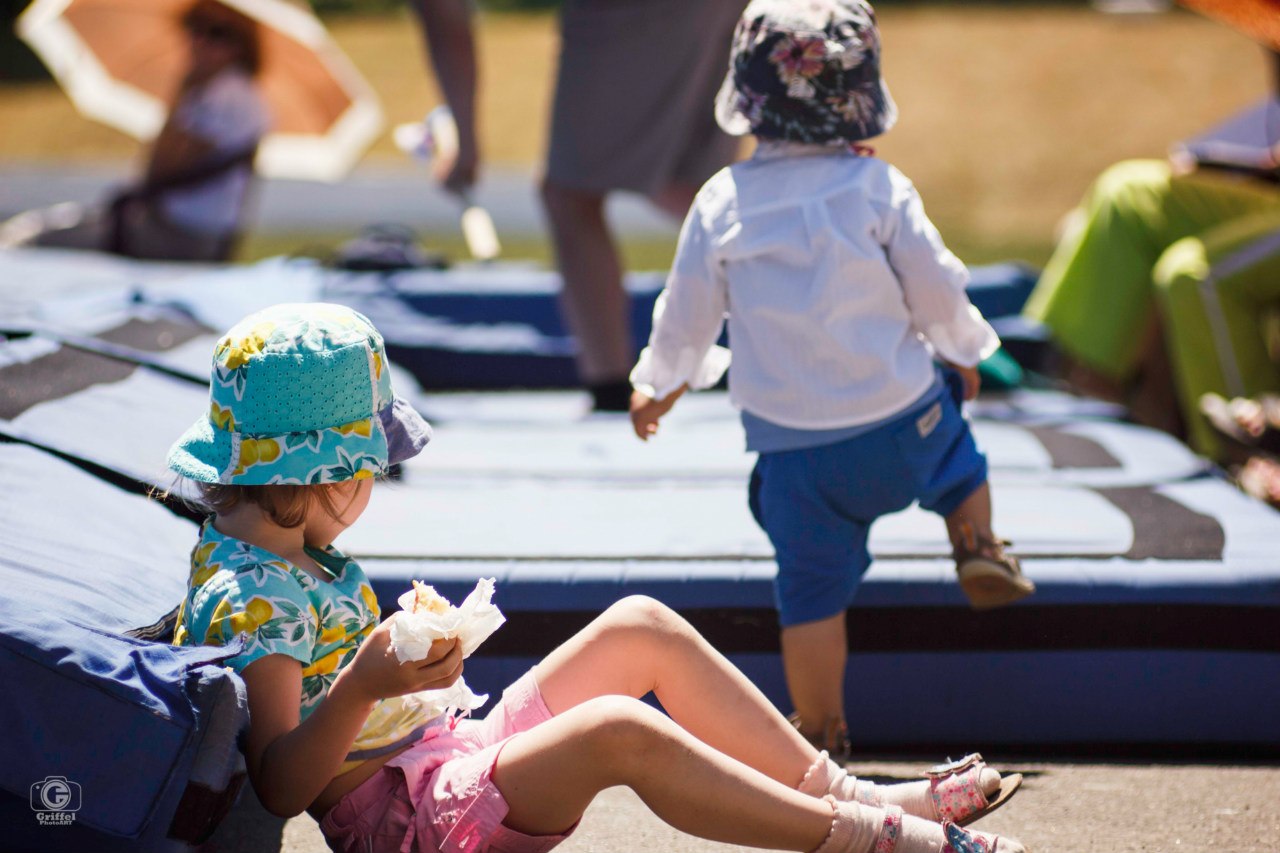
[(840, 295), (302, 422)]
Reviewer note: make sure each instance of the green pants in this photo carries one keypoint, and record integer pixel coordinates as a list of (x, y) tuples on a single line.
[(1214, 291), (1202, 250)]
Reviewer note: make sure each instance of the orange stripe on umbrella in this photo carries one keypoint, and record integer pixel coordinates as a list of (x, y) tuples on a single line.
[(121, 61), (1258, 19)]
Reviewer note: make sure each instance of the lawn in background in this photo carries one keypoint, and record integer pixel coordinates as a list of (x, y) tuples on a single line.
[(1007, 113)]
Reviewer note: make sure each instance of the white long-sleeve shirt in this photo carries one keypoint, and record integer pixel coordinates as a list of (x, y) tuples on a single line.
[(837, 288)]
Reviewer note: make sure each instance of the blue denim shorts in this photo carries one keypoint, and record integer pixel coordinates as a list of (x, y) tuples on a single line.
[(817, 504)]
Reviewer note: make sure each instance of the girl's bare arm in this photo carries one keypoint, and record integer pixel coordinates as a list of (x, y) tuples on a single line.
[(291, 762)]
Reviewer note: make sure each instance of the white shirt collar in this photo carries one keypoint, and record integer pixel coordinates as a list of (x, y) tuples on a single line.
[(767, 149)]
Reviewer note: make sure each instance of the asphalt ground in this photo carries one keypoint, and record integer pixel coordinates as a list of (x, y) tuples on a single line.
[(1063, 807)]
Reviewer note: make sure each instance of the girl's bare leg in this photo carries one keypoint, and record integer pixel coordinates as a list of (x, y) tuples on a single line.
[(549, 775), (640, 645)]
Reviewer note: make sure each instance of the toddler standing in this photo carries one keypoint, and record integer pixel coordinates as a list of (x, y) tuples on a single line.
[(302, 422), (840, 295)]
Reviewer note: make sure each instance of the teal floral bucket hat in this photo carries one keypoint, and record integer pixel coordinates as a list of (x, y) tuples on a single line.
[(806, 71), (299, 394)]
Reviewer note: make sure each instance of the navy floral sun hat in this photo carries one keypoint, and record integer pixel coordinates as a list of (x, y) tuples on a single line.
[(806, 71)]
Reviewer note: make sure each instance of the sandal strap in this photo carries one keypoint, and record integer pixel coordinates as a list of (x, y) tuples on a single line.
[(950, 767), (973, 546), (955, 789), (867, 793), (890, 830), (961, 841)]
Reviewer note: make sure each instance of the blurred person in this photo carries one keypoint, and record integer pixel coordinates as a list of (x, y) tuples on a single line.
[(188, 204), (631, 113), (1155, 293), (449, 41)]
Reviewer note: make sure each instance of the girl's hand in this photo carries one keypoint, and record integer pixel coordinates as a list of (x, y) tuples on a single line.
[(971, 378), (376, 672), (646, 411)]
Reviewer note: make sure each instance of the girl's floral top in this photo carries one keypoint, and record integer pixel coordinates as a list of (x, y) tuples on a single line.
[(239, 590)]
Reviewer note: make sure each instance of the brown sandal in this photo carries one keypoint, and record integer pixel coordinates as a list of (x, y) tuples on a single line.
[(988, 576)]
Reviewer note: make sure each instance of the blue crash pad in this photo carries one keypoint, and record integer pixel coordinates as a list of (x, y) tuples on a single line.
[(127, 723)]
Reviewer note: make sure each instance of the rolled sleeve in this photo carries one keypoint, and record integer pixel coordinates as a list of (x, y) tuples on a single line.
[(687, 320), (933, 282)]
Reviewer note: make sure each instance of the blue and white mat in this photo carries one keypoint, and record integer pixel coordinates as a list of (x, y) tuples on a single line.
[(1159, 583)]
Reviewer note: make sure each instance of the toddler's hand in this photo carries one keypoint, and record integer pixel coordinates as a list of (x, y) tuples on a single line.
[(972, 380), (646, 411), (376, 673)]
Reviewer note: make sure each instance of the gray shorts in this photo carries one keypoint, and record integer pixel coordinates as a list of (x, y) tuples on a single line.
[(635, 94)]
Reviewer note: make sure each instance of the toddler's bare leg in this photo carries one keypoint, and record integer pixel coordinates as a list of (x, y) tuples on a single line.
[(639, 645), (549, 775), (814, 656), (975, 511), (989, 576)]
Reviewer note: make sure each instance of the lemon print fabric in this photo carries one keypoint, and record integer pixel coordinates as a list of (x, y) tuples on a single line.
[(237, 591), (299, 395)]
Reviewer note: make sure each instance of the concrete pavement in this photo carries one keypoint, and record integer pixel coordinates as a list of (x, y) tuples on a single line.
[(1063, 807)]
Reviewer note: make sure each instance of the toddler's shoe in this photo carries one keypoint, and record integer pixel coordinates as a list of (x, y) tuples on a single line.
[(988, 576)]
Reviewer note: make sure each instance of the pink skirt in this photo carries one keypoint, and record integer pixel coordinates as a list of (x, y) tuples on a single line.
[(438, 795)]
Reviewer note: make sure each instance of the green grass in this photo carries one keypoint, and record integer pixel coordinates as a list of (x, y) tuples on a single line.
[(1007, 111), (638, 254), (641, 254)]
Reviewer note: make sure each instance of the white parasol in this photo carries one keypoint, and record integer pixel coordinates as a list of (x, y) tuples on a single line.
[(120, 62)]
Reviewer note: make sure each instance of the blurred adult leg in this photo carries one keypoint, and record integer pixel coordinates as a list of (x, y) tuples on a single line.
[(593, 300), (632, 112)]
